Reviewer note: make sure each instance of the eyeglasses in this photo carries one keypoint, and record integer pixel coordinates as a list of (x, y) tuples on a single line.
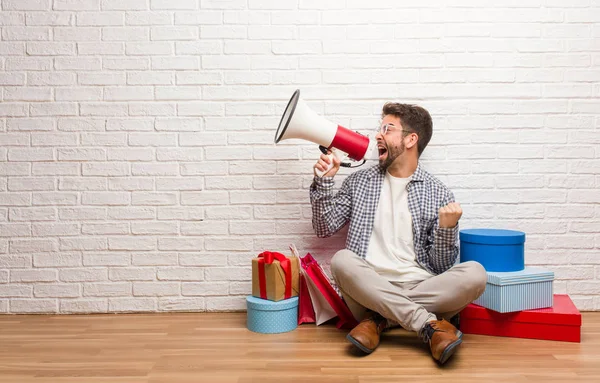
[(383, 129)]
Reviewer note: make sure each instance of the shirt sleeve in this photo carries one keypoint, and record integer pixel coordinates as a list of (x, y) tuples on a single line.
[(330, 211), (444, 250)]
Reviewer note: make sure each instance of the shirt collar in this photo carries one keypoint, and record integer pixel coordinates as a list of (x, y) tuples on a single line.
[(417, 176)]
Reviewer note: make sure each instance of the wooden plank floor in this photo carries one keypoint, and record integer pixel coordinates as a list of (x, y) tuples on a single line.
[(217, 347)]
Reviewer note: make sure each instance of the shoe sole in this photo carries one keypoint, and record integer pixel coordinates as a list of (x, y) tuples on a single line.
[(449, 351), (359, 345), (445, 355)]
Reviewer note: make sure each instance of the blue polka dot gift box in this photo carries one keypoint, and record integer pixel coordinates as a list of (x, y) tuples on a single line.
[(271, 317)]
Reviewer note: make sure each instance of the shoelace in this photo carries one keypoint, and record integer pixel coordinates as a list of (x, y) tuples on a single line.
[(427, 333)]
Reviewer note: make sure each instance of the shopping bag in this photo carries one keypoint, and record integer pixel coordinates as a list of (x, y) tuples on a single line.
[(323, 310), (306, 311), (326, 301)]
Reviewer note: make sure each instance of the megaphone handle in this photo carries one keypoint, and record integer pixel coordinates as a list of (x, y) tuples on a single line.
[(321, 173), (333, 153)]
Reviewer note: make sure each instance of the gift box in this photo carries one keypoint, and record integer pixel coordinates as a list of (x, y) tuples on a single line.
[(561, 322), (530, 288), (274, 276), (495, 249), (269, 317)]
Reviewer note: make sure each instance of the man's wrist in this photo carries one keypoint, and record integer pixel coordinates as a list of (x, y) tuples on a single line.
[(325, 183), (448, 232)]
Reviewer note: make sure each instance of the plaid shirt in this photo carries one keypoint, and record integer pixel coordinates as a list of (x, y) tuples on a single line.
[(356, 202)]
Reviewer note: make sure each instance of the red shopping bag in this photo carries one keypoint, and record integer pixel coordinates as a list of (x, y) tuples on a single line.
[(306, 311), (327, 302)]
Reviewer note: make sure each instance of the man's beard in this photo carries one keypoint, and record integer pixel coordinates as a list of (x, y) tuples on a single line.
[(392, 153)]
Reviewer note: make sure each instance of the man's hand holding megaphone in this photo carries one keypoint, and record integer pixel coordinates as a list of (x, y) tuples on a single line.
[(327, 161)]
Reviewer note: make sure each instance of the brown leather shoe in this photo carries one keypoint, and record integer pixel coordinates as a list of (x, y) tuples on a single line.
[(443, 339), (366, 334), (444, 325)]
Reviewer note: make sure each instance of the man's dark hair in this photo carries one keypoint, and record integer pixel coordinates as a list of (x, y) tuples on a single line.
[(413, 118)]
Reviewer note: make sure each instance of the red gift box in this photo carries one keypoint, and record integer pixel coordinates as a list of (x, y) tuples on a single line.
[(561, 322)]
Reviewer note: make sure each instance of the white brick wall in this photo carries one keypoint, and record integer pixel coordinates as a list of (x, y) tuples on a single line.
[(137, 169)]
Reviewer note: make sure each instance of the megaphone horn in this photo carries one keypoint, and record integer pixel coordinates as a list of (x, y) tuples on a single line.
[(301, 122)]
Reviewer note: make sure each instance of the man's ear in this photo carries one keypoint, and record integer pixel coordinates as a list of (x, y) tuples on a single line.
[(413, 139)]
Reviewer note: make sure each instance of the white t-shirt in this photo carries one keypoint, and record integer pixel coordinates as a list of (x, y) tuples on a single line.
[(391, 249)]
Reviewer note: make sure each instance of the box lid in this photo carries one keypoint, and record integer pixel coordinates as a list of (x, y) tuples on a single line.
[(527, 275), (267, 305), (492, 236), (563, 312)]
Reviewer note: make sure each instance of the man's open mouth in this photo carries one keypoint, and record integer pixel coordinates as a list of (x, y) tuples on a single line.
[(382, 151)]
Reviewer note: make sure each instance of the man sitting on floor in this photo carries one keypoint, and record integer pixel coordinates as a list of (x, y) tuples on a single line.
[(398, 264)]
